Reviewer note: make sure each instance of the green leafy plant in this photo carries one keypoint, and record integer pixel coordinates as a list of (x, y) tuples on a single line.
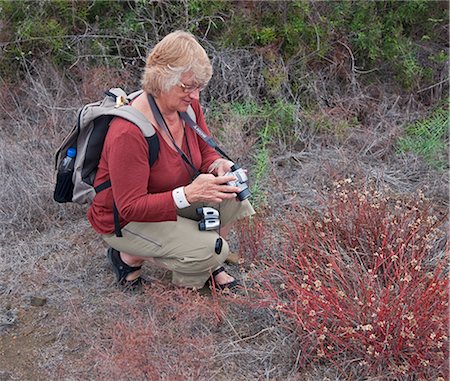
[(428, 138), (440, 57), (273, 121), (384, 34), (261, 160), (58, 29)]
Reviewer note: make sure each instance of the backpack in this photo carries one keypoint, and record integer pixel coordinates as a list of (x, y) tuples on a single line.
[(88, 136)]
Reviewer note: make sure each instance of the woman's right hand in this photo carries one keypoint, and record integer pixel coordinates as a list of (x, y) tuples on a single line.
[(210, 188)]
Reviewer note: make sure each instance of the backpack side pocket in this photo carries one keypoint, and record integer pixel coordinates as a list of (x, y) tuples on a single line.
[(64, 187)]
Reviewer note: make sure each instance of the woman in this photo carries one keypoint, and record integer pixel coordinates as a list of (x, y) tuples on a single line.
[(157, 204)]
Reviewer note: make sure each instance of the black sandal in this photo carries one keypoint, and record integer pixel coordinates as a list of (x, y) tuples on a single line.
[(122, 270), (222, 287)]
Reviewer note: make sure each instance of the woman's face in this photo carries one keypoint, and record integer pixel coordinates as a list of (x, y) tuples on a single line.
[(180, 96)]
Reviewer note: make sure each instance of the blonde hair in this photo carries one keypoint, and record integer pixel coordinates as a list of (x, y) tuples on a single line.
[(176, 54)]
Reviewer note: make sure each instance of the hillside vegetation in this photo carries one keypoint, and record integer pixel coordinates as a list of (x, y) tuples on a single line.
[(339, 111)]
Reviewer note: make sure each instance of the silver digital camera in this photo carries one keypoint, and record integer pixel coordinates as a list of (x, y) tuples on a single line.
[(240, 182)]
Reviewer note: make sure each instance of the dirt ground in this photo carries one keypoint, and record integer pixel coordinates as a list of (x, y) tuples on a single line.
[(54, 314), (21, 343), (63, 318)]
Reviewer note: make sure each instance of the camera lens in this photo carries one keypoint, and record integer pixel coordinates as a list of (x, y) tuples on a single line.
[(244, 194)]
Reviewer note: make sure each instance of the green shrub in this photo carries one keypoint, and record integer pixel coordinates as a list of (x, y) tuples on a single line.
[(286, 25), (272, 122), (385, 34), (277, 118), (428, 138), (57, 29), (294, 35)]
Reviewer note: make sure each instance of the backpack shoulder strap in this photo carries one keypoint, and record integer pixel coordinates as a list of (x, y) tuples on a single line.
[(134, 94), (134, 116)]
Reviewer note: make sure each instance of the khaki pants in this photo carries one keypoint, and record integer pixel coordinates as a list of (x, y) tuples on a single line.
[(179, 245)]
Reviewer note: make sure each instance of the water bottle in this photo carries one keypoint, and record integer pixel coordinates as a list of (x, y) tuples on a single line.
[(64, 184), (68, 162)]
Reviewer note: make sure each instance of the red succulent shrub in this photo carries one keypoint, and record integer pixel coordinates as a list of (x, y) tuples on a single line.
[(364, 284)]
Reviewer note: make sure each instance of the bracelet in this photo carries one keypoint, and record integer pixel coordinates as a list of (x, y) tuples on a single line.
[(180, 198)]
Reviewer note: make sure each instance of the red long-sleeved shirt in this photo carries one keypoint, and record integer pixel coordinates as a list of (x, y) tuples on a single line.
[(144, 193)]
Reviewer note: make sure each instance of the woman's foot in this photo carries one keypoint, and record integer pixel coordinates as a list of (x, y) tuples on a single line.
[(127, 275), (222, 280), (132, 261)]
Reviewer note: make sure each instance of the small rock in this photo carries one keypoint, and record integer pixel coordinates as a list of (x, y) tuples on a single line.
[(233, 259), (7, 319), (5, 376), (38, 301)]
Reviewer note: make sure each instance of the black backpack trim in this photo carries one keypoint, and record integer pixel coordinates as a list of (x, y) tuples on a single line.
[(153, 149)]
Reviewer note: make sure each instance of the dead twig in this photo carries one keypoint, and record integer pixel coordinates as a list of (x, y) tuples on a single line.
[(255, 335), (432, 86)]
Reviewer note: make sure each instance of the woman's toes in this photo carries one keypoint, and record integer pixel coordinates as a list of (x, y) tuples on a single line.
[(134, 275), (223, 278)]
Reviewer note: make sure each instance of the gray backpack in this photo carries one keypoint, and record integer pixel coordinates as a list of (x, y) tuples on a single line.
[(87, 137), (77, 158)]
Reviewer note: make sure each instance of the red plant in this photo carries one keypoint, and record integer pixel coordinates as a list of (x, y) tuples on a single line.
[(365, 286), (251, 232), (166, 336)]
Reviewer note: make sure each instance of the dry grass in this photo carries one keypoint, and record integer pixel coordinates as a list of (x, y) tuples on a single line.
[(87, 328)]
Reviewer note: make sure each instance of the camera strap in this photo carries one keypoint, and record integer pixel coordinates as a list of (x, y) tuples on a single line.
[(208, 139), (160, 120)]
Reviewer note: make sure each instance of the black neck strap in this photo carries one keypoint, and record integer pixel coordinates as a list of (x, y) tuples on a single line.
[(208, 139), (160, 120)]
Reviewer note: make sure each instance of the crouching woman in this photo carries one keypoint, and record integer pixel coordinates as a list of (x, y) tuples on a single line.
[(157, 205)]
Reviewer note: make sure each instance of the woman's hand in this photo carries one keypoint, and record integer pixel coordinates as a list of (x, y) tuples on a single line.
[(210, 188), (220, 167)]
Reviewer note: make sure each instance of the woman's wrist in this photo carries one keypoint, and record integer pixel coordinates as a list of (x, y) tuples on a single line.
[(187, 194), (180, 199)]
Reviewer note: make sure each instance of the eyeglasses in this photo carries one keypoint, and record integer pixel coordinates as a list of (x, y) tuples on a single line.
[(191, 88)]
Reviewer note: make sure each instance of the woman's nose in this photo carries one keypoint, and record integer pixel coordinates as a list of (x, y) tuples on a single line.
[(195, 94)]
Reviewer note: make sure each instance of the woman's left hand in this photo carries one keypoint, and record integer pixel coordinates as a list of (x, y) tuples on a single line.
[(220, 167)]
